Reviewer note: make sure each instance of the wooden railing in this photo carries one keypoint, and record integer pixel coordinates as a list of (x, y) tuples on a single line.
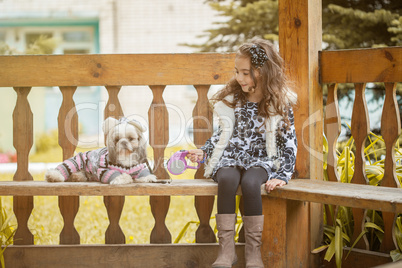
[(361, 67), (293, 214), (97, 70)]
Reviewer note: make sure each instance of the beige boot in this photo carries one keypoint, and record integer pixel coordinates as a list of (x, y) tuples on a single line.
[(253, 232), (226, 230)]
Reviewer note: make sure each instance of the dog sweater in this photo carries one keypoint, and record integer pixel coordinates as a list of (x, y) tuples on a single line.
[(98, 168)]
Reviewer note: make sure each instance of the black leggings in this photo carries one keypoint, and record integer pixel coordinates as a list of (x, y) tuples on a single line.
[(229, 179)]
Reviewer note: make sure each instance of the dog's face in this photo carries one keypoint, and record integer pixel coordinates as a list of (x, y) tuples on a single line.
[(125, 142)]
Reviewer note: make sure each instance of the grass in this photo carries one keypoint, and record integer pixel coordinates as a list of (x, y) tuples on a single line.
[(91, 221)]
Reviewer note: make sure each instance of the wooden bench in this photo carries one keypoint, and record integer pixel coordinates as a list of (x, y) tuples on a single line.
[(294, 213), (387, 199)]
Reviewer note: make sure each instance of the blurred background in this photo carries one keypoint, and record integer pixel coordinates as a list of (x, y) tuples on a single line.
[(167, 26), (155, 26)]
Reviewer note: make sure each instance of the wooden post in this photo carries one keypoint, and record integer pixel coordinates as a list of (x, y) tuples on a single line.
[(300, 38)]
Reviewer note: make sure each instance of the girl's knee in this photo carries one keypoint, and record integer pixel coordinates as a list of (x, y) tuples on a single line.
[(227, 174)]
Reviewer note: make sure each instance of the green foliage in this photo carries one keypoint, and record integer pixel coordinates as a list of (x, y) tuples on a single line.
[(6, 233), (7, 50), (245, 20), (337, 236), (396, 254), (396, 29), (47, 141), (352, 28), (346, 23), (42, 45), (239, 223)]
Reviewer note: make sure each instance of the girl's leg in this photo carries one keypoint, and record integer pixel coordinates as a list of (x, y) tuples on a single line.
[(253, 220), (251, 182), (228, 179)]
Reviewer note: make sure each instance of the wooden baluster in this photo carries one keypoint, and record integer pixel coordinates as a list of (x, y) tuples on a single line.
[(68, 139), (113, 107), (23, 141), (360, 131), (202, 124), (114, 204), (158, 139), (22, 133), (332, 129), (390, 131)]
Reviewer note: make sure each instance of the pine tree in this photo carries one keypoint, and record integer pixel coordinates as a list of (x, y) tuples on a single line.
[(353, 28), (346, 23)]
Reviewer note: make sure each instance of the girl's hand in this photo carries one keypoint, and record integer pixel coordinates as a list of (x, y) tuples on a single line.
[(271, 184), (195, 155)]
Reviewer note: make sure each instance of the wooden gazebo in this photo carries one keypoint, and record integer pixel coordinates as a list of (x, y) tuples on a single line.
[(294, 214)]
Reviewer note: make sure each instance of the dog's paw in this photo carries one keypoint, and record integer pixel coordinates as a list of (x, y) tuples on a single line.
[(53, 175), (79, 177), (122, 179), (149, 178)]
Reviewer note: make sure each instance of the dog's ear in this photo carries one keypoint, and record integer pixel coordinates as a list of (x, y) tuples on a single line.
[(142, 149), (108, 124), (137, 124)]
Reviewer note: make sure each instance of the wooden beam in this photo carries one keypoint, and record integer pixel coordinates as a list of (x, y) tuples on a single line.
[(115, 69), (355, 257), (364, 65), (99, 256)]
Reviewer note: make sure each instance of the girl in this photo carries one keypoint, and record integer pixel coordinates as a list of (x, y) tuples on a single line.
[(255, 144)]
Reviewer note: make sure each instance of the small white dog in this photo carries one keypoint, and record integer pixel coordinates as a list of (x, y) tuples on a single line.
[(122, 161)]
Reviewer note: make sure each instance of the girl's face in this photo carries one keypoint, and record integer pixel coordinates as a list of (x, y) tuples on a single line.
[(243, 75)]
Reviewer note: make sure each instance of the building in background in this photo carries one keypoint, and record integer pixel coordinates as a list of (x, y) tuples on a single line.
[(102, 26)]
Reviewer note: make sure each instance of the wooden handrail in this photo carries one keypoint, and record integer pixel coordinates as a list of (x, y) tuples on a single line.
[(361, 65), (116, 69)]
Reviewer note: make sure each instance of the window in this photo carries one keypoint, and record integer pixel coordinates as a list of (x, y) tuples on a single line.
[(77, 36)]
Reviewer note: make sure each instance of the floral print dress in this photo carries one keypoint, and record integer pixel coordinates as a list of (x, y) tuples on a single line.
[(246, 147)]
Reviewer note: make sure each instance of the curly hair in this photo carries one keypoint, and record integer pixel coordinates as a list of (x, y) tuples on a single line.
[(271, 79)]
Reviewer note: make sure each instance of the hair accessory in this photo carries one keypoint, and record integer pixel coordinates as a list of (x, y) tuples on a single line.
[(177, 163), (123, 120), (258, 56)]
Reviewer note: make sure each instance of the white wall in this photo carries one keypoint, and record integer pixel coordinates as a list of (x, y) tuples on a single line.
[(133, 26)]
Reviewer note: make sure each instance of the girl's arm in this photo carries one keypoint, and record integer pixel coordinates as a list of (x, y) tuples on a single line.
[(209, 145), (288, 152), (198, 155)]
